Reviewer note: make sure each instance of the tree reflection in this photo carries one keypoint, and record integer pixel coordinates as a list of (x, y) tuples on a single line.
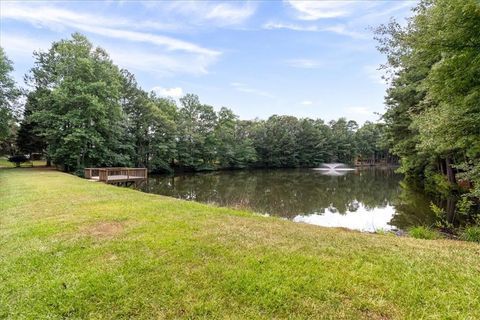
[(288, 193), (285, 193)]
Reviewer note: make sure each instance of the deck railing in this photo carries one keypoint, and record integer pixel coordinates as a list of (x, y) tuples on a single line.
[(115, 174)]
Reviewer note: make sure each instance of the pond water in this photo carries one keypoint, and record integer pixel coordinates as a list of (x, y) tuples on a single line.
[(363, 199)]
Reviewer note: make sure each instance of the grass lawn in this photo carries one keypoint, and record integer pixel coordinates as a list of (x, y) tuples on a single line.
[(4, 163), (70, 248)]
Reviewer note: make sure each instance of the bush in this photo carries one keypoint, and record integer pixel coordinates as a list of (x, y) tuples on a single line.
[(422, 232), (436, 183), (18, 159), (471, 234)]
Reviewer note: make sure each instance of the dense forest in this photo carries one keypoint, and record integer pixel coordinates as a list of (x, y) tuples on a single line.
[(81, 110), (432, 121)]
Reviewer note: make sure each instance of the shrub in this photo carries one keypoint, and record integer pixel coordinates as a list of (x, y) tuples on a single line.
[(442, 219), (436, 183), (18, 159), (422, 232), (471, 234)]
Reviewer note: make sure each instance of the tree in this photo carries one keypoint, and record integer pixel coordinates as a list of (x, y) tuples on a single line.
[(9, 94), (164, 133), (150, 126), (234, 145), (342, 140), (369, 142), (18, 159), (79, 114), (28, 139), (83, 111), (433, 100), (276, 142), (196, 145), (312, 141)]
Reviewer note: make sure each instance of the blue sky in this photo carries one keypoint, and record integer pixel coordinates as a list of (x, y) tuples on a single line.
[(303, 58)]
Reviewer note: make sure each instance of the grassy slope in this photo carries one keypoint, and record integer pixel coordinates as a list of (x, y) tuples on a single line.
[(78, 249)]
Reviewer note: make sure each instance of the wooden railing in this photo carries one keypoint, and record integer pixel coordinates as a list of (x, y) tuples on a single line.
[(115, 174), (91, 172)]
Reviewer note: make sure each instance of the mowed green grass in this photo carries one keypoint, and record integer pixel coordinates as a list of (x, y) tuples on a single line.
[(4, 163), (74, 249)]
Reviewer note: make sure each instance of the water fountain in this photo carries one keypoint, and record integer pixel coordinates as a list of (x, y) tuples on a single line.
[(334, 169)]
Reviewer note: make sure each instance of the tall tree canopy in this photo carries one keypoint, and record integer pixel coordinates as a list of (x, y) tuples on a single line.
[(82, 110), (433, 112), (78, 91), (9, 94)]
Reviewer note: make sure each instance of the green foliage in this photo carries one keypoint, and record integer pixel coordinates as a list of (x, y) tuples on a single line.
[(28, 138), (77, 107), (83, 111), (196, 134), (470, 173), (342, 141), (422, 232), (369, 141), (285, 141), (18, 159), (442, 221), (234, 143), (471, 234), (9, 94), (436, 183), (433, 103), (150, 126), (465, 206)]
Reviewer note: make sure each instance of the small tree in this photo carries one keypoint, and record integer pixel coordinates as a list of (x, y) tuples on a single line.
[(18, 159)]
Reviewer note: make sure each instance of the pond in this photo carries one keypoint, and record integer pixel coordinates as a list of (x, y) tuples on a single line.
[(367, 199)]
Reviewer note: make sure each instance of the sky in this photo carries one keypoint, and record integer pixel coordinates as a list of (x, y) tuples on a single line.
[(314, 59)]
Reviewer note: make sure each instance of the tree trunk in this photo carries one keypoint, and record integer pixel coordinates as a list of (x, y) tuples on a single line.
[(442, 167), (450, 171)]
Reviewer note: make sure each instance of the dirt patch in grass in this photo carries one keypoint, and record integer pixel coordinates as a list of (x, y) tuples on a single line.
[(104, 229)]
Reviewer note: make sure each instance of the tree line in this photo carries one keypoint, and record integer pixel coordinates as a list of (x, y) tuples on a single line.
[(81, 110), (433, 101)]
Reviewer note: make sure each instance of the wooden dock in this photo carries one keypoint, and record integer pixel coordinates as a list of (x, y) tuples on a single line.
[(117, 176)]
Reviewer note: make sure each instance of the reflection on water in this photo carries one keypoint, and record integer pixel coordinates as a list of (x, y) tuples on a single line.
[(367, 199), (362, 219), (333, 169)]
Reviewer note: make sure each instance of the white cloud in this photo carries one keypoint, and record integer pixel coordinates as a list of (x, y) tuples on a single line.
[(176, 92), (209, 12), (290, 26), (338, 29), (242, 87), (167, 42), (359, 111), (360, 14), (374, 16), (229, 14), (40, 14), (314, 10), (55, 19), (304, 63), (21, 45), (323, 9), (160, 65), (306, 102), (344, 30), (171, 55)]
